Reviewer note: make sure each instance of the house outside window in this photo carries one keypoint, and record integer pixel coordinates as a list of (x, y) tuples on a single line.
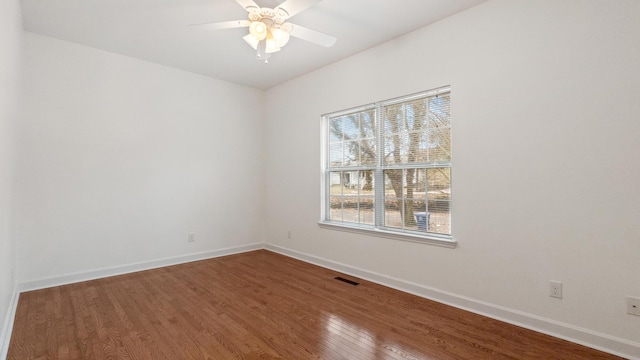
[(387, 167)]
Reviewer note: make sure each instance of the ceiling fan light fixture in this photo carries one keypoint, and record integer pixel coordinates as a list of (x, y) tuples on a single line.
[(280, 36), (271, 45), (258, 30), (252, 41)]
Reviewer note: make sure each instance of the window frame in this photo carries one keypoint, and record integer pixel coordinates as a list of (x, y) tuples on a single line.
[(378, 229)]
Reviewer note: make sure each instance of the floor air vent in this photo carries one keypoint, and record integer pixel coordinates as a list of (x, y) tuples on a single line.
[(347, 280)]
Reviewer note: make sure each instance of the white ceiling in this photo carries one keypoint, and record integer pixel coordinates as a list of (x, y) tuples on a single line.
[(156, 31)]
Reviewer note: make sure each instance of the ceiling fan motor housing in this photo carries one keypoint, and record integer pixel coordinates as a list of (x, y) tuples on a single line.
[(276, 17)]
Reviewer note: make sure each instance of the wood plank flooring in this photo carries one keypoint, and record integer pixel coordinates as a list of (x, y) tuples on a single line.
[(260, 305)]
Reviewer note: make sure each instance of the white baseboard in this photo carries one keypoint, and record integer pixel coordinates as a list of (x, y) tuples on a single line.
[(610, 344), (129, 268), (7, 327)]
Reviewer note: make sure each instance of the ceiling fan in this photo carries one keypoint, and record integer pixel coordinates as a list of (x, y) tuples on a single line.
[(268, 29)]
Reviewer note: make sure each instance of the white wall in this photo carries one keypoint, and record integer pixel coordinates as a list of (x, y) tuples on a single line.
[(10, 71), (546, 154), (120, 159)]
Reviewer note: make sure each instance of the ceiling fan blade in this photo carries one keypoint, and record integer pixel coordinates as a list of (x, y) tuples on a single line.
[(247, 4), (293, 7), (313, 36), (221, 25)]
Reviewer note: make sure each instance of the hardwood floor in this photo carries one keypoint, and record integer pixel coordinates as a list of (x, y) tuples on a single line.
[(260, 305)]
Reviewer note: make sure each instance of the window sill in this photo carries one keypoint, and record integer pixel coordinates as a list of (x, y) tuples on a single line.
[(420, 239)]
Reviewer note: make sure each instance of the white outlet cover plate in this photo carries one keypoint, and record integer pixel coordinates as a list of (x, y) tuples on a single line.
[(555, 289)]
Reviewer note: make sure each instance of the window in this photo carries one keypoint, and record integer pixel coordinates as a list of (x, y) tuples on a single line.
[(387, 167)]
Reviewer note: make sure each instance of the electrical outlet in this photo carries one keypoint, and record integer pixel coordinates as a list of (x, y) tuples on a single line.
[(289, 234), (555, 289), (633, 306), (191, 238)]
